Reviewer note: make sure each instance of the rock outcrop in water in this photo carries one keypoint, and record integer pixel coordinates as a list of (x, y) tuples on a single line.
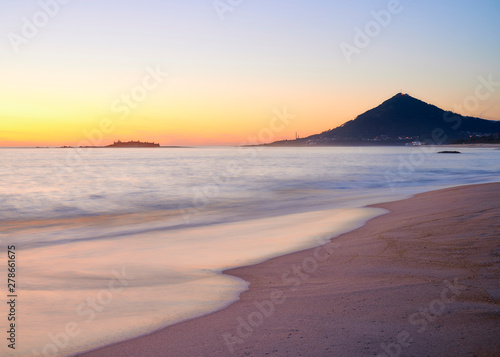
[(132, 144)]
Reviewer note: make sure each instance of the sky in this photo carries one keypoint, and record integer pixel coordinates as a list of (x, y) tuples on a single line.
[(231, 72)]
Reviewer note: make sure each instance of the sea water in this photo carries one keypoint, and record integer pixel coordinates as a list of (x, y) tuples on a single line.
[(115, 243)]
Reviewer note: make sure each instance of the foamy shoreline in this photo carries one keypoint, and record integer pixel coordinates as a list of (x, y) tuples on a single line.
[(401, 260), (168, 276)]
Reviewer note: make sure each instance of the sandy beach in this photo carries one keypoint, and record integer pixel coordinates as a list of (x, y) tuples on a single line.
[(421, 280)]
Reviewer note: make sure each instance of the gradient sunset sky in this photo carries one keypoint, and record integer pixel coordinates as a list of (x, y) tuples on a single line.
[(230, 70)]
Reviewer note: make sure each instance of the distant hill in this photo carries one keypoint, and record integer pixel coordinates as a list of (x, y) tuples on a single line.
[(399, 120)]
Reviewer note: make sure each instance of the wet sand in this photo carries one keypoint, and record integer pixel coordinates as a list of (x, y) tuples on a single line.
[(422, 280)]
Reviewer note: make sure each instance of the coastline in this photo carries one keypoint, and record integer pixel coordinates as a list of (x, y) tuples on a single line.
[(417, 280)]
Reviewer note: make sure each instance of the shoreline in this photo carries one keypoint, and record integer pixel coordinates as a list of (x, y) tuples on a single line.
[(470, 145), (352, 280)]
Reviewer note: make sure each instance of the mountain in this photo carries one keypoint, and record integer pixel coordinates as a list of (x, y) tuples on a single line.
[(400, 120)]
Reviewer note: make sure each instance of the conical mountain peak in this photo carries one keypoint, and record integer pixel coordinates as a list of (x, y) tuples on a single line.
[(399, 120)]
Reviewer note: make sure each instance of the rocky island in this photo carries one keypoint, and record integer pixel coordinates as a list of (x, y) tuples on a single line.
[(132, 144)]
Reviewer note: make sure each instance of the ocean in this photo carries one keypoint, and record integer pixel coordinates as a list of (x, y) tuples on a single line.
[(116, 243)]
